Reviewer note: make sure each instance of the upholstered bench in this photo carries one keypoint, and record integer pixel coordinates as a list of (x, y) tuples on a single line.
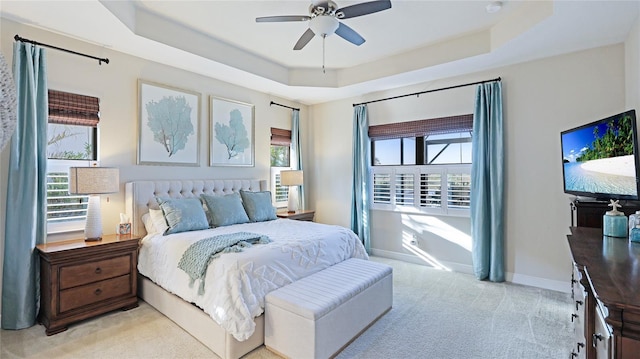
[(319, 315)]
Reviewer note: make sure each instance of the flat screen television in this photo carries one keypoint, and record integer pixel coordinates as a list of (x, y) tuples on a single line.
[(600, 159)]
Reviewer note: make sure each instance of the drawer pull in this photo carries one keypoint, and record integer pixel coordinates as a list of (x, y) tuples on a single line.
[(573, 316), (98, 291), (578, 303), (580, 345), (597, 337), (98, 270)]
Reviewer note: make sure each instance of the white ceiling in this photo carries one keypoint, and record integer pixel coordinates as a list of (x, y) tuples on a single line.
[(413, 42)]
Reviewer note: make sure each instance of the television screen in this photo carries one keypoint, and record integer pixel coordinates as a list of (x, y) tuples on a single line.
[(600, 159)]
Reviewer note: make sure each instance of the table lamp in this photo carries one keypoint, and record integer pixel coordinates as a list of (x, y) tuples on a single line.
[(293, 179), (93, 181)]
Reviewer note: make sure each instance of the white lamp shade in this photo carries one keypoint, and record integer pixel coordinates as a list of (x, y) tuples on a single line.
[(291, 178), (93, 180)]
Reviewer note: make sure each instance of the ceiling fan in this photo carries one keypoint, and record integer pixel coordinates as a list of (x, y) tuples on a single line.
[(323, 20)]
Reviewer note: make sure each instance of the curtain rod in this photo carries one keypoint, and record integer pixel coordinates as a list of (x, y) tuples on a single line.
[(281, 105), (100, 60), (427, 91)]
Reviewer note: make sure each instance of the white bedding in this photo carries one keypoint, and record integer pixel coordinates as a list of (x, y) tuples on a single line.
[(236, 283)]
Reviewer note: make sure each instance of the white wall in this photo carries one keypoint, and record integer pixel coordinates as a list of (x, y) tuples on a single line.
[(541, 99), (632, 67), (116, 86)]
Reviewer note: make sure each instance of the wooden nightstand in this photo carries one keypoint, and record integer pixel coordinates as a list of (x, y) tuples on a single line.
[(301, 215), (79, 280)]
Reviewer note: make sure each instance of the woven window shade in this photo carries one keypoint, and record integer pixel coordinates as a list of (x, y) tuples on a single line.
[(419, 128), (73, 109), (280, 137)]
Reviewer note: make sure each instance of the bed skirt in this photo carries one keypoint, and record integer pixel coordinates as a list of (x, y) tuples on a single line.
[(198, 323)]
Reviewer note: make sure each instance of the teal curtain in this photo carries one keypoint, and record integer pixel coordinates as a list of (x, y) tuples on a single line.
[(296, 149), (26, 190), (487, 184), (360, 188)]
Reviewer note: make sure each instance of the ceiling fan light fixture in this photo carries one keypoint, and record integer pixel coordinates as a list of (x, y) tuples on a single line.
[(323, 25), (494, 7)]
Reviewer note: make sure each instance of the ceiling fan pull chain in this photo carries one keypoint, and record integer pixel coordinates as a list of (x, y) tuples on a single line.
[(324, 37)]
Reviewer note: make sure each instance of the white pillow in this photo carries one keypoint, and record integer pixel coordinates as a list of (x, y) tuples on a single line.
[(148, 224), (159, 222)]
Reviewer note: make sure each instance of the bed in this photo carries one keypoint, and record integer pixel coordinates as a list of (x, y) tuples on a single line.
[(224, 309)]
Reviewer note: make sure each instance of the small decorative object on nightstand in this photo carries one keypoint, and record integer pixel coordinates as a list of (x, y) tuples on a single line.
[(300, 215), (79, 280)]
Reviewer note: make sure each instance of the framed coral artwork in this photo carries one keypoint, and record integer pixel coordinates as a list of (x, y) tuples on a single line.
[(232, 133), (168, 125)]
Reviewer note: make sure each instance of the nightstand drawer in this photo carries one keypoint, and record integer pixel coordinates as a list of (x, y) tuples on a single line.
[(75, 275), (95, 292)]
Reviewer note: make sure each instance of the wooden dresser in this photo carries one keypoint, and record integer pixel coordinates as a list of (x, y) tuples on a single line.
[(607, 295), (79, 280)]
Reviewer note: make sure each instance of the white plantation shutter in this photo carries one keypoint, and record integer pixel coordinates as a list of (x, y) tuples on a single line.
[(279, 193), (65, 212), (381, 187), (405, 194), (459, 186), (282, 192), (432, 189), (61, 206)]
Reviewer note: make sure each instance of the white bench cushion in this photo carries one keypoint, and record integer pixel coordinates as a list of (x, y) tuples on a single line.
[(318, 315)]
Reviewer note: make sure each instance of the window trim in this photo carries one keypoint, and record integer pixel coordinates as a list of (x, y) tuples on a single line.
[(65, 108), (282, 138)]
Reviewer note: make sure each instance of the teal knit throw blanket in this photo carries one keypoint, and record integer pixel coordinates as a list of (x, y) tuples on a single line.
[(195, 260)]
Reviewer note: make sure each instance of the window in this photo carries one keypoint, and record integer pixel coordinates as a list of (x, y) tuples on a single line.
[(71, 142), (448, 148), (280, 160), (423, 165)]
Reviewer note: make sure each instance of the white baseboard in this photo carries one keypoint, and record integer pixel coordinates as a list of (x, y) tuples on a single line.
[(556, 285), (410, 258)]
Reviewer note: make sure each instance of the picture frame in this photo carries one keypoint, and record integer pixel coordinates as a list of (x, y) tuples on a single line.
[(124, 228), (231, 127), (168, 125)]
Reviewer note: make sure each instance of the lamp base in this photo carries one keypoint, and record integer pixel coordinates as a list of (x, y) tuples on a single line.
[(97, 239), (292, 206), (93, 224)]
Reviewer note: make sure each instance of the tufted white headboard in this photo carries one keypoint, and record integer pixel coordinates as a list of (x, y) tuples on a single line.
[(141, 195)]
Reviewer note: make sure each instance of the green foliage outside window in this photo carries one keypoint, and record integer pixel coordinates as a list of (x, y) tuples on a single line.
[(280, 156), (68, 142)]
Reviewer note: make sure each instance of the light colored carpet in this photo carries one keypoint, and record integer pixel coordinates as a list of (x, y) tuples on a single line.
[(435, 314)]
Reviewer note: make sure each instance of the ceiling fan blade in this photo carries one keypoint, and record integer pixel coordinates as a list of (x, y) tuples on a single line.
[(304, 39), (283, 18), (364, 8), (349, 34)]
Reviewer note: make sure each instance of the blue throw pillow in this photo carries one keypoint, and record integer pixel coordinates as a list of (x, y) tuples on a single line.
[(224, 210), (183, 214), (258, 206)]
